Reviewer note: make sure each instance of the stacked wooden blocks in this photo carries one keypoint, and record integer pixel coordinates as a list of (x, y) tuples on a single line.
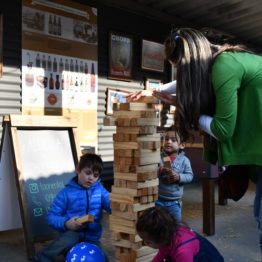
[(136, 158)]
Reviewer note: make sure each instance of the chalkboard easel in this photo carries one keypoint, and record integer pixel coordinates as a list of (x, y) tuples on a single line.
[(45, 152)]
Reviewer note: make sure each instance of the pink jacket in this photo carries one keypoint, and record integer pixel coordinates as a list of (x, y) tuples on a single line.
[(184, 253)]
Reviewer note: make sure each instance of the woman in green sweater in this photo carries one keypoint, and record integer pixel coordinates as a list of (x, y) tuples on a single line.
[(219, 90)]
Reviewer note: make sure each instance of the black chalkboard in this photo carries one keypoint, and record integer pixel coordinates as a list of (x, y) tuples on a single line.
[(45, 156), (48, 165)]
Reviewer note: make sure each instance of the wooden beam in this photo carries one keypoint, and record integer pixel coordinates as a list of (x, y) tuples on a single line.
[(208, 206)]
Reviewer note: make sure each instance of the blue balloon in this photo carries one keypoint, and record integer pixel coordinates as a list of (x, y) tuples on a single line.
[(85, 252)]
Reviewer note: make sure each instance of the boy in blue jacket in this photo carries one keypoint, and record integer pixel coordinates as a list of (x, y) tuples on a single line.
[(83, 195), (173, 176)]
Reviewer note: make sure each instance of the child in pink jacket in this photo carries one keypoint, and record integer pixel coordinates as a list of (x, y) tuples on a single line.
[(175, 243)]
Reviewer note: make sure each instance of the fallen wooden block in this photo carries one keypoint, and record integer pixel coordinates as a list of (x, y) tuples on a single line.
[(85, 219)]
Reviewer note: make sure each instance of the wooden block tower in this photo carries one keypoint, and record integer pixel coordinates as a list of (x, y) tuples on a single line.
[(136, 158)]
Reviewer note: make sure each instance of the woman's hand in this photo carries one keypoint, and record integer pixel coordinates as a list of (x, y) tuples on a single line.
[(134, 96), (165, 97)]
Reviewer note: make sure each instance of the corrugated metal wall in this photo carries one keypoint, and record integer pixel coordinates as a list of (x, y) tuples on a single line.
[(109, 19), (10, 83)]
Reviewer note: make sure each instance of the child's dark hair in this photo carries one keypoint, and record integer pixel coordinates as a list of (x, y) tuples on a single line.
[(92, 161), (158, 223)]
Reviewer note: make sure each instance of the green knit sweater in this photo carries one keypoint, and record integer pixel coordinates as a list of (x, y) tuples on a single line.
[(237, 123)]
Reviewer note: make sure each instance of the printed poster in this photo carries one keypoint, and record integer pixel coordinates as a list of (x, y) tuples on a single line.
[(59, 63)]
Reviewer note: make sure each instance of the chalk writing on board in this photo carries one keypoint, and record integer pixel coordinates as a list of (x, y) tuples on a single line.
[(48, 165)]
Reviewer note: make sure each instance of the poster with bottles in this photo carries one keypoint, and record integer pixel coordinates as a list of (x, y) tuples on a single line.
[(59, 63)]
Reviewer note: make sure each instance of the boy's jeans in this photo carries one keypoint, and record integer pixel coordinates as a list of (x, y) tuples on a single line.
[(173, 207), (258, 207), (61, 245)]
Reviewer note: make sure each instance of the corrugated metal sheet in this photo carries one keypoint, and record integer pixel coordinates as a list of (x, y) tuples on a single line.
[(238, 18), (235, 17), (105, 133)]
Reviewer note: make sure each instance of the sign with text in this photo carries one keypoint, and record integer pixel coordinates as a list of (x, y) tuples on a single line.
[(45, 152), (59, 63)]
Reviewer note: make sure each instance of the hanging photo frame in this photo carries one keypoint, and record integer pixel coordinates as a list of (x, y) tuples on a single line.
[(120, 56), (152, 57), (153, 83), (114, 96)]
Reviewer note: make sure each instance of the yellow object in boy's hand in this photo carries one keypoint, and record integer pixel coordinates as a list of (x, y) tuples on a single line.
[(85, 219)]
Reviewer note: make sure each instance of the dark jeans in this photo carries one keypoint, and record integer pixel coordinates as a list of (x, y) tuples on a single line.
[(60, 246)]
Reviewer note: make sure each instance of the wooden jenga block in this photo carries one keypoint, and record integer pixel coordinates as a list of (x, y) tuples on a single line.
[(146, 258), (144, 199), (146, 130), (149, 158), (148, 184), (144, 138), (141, 153), (141, 207), (121, 221), (135, 168), (109, 121), (118, 197), (143, 251), (131, 192), (131, 184), (135, 114), (147, 99), (118, 235), (153, 145), (125, 258), (137, 122), (85, 219), (122, 228), (136, 177), (127, 244), (124, 137), (126, 214), (136, 106), (167, 162)]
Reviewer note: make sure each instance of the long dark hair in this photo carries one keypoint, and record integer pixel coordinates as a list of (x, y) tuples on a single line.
[(193, 56), (159, 224)]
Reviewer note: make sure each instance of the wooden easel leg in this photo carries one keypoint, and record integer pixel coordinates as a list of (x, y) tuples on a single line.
[(208, 190)]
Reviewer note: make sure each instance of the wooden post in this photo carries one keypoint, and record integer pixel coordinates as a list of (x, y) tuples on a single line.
[(221, 199), (208, 189)]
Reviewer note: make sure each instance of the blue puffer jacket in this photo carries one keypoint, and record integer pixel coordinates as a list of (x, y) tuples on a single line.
[(71, 201)]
